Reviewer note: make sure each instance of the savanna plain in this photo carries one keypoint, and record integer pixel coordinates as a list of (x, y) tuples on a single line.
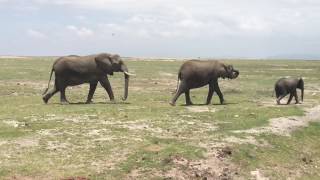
[(249, 137)]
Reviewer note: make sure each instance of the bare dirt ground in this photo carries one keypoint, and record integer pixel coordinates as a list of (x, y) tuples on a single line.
[(285, 125)]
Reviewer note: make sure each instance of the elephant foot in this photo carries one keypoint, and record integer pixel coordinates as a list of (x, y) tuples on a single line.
[(89, 102), (278, 102), (64, 102), (112, 101), (172, 103), (45, 100), (189, 103)]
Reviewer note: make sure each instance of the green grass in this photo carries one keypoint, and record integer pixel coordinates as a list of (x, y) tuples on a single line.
[(104, 140)]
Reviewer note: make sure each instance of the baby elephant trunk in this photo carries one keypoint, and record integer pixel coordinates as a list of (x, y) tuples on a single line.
[(302, 92)]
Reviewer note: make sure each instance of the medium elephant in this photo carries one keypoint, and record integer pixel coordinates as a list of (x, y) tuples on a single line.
[(284, 86), (75, 70), (195, 74)]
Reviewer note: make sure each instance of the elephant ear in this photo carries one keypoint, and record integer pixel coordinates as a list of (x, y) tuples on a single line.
[(104, 62)]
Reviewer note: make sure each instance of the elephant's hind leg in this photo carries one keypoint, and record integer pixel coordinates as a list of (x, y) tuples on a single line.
[(63, 99), (93, 87), (188, 99), (181, 89), (46, 97), (280, 97), (210, 93)]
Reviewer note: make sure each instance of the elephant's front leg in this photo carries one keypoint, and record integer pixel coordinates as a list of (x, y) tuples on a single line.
[(210, 93), (217, 89), (93, 87), (106, 85), (290, 98), (296, 97)]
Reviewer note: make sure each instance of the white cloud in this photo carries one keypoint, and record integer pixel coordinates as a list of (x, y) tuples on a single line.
[(218, 25), (81, 31), (36, 34)]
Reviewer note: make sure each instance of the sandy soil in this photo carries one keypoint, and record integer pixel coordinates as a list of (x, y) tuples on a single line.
[(285, 125)]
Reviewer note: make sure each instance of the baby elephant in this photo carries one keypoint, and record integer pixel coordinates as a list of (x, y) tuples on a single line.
[(195, 74), (285, 86)]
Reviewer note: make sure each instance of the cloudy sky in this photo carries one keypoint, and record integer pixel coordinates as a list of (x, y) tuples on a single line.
[(161, 28)]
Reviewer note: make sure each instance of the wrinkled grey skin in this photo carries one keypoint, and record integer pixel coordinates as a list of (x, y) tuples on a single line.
[(195, 74), (75, 70), (285, 86)]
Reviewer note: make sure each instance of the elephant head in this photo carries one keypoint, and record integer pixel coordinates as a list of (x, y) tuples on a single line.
[(110, 63), (300, 85), (229, 72)]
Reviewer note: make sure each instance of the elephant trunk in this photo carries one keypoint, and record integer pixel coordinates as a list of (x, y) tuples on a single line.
[(235, 74), (126, 81), (302, 92)]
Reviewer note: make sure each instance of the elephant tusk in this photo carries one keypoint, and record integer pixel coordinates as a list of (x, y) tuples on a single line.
[(129, 74)]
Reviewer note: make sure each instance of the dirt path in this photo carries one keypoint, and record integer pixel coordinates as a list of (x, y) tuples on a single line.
[(285, 125)]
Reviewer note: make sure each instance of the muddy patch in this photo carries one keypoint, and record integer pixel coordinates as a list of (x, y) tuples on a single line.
[(216, 165), (285, 125)]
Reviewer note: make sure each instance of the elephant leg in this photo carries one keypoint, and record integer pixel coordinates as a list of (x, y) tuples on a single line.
[(290, 98), (210, 93), (181, 89), (63, 99), (217, 89), (106, 85), (296, 97), (46, 97), (93, 87), (280, 97), (188, 99)]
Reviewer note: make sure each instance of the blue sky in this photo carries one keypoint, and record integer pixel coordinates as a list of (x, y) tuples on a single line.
[(162, 28)]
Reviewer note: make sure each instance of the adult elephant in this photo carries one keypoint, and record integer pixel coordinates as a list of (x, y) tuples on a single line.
[(195, 74), (74, 70), (285, 86)]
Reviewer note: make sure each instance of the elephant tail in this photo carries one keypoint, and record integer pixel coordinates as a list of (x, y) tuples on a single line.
[(48, 82), (179, 77)]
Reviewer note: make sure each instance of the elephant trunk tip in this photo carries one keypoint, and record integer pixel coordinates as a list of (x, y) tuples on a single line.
[(235, 74)]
